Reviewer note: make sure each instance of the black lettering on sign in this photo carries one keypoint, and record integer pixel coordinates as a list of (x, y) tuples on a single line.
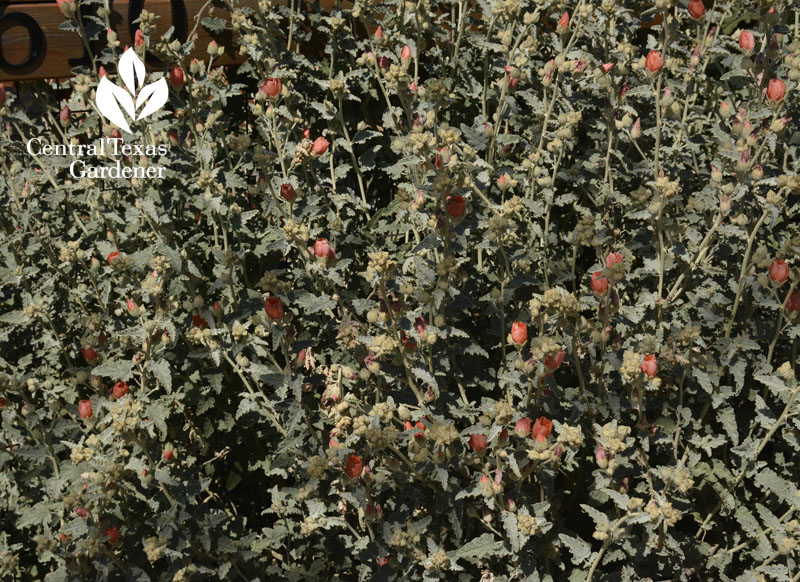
[(179, 22), (36, 42)]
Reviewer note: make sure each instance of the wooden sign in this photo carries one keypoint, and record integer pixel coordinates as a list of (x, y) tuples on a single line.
[(32, 46)]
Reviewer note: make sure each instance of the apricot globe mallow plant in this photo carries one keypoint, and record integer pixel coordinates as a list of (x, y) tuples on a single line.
[(428, 291)]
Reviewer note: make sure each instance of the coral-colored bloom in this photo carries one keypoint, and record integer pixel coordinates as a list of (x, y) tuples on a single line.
[(519, 332), (322, 248), (607, 67), (599, 283), (113, 535), (405, 54), (288, 193), (747, 41), (271, 87), (793, 305), (379, 33), (274, 307), (456, 205), (779, 271), (112, 256), (85, 409), (554, 362), (407, 342), (320, 146), (176, 77), (523, 427), (613, 259), (563, 22), (649, 366), (697, 9), (167, 454), (542, 428), (776, 90), (120, 389), (89, 354), (354, 466), (654, 61), (418, 425), (478, 442)]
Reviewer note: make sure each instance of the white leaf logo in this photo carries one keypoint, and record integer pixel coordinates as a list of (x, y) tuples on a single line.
[(112, 99)]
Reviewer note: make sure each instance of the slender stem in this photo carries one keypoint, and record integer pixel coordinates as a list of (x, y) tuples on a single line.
[(763, 532), (270, 415), (702, 250), (291, 26), (356, 165), (608, 541), (401, 349), (743, 270)]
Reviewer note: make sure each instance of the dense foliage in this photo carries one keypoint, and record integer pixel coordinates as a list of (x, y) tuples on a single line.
[(449, 290)]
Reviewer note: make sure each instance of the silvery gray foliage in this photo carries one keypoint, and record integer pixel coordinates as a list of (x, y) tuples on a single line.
[(432, 290)]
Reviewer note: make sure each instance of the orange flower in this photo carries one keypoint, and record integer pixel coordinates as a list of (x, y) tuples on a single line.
[(599, 283), (776, 90), (354, 466), (120, 389), (176, 77), (288, 193), (478, 442), (519, 332), (554, 362), (747, 41), (271, 87), (322, 248), (697, 9), (456, 206), (523, 427), (274, 307), (113, 535), (779, 271), (85, 409), (654, 61), (793, 305), (563, 22), (649, 365), (542, 429), (613, 259), (320, 146)]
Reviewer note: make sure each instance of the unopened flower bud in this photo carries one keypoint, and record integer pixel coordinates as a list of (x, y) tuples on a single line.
[(636, 130), (600, 457), (724, 204)]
